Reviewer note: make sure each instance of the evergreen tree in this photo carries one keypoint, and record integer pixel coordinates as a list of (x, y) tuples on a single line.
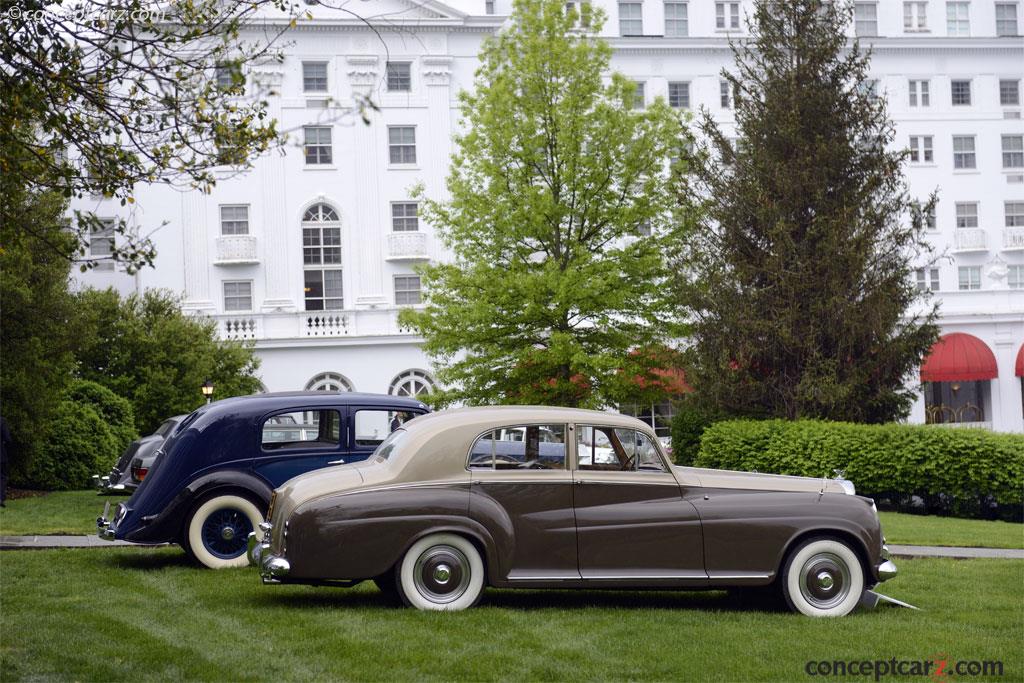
[(800, 277), (556, 292)]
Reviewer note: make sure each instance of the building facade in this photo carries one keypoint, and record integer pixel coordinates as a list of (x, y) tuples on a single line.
[(311, 254)]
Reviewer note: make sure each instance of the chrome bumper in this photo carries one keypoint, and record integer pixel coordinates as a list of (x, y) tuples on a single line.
[(887, 569), (103, 529), (272, 567)]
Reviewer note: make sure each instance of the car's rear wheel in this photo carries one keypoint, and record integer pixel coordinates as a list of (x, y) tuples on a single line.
[(823, 577), (441, 572), (218, 530)]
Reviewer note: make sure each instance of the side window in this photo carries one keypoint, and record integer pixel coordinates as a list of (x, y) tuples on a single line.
[(616, 450), (531, 447), (302, 429), (374, 425)]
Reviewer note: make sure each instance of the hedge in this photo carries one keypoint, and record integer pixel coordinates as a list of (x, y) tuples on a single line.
[(692, 417), (959, 464), (113, 409), (79, 445)]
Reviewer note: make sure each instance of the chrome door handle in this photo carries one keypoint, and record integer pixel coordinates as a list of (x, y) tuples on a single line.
[(336, 462)]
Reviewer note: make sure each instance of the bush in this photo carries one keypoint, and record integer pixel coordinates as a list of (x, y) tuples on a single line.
[(692, 417), (80, 444), (115, 411), (958, 470)]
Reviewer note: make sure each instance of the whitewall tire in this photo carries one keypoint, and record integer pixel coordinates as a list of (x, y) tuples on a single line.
[(441, 572), (823, 577), (218, 531)]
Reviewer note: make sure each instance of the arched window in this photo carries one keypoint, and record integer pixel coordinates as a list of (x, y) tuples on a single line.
[(329, 381), (321, 258), (412, 383)]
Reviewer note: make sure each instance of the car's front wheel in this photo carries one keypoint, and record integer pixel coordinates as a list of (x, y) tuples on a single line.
[(823, 577), (218, 531), (441, 572)]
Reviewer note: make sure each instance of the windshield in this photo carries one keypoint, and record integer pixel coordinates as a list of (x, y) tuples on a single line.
[(388, 445)]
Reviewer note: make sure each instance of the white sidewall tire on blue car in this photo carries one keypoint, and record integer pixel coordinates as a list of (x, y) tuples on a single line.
[(220, 505), (823, 577), (441, 572)]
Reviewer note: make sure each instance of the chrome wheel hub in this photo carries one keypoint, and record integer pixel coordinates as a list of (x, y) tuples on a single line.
[(227, 533), (441, 574), (825, 580)]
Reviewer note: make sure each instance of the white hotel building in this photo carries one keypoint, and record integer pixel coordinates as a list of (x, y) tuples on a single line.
[(312, 253)]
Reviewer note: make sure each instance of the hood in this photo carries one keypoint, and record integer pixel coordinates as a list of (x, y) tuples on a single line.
[(729, 479)]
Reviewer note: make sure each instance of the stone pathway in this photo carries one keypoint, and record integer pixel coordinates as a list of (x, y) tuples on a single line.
[(38, 542)]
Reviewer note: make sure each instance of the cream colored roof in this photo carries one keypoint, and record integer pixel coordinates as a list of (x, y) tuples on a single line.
[(499, 416)]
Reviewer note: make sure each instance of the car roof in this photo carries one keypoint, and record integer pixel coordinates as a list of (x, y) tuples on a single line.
[(499, 416), (283, 400)]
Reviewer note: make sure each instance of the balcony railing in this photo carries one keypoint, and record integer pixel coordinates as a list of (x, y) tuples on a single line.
[(969, 239), (259, 326), (1013, 239), (238, 327), (236, 250), (407, 246)]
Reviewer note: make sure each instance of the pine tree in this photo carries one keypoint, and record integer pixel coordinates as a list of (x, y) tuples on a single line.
[(799, 278), (556, 293)]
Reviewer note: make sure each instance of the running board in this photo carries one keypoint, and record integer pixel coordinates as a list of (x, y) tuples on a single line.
[(871, 600)]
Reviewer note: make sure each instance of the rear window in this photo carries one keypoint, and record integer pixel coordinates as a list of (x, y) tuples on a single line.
[(302, 429), (389, 445)]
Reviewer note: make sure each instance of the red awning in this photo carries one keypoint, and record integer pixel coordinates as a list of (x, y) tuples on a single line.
[(959, 357), (1019, 367)]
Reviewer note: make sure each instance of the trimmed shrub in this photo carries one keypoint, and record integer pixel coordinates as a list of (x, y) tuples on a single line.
[(691, 418), (953, 469), (80, 444), (115, 410)]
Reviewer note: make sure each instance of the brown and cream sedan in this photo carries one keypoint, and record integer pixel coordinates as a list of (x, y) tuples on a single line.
[(555, 498)]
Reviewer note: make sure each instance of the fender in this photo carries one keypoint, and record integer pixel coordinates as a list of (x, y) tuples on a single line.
[(166, 527)]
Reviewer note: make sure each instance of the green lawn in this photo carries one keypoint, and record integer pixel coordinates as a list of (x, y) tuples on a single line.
[(145, 614), (971, 533), (66, 512)]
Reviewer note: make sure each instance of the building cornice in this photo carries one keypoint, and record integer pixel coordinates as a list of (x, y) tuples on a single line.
[(651, 45)]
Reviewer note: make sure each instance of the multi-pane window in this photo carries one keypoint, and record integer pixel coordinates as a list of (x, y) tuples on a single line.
[(676, 20), (927, 215), (958, 19), (726, 94), (631, 22), (407, 290), (969, 277), (234, 219), (927, 279), (915, 16), (224, 76), (679, 95), (314, 76), (1009, 93), (1006, 18), (967, 214), (489, 6), (960, 90), (317, 144), (919, 93), (1014, 213), (865, 19), (639, 95), (101, 240), (238, 295), (921, 149), (399, 76), (402, 144), (1015, 277), (963, 152), (1013, 151), (582, 9), (321, 256), (405, 217), (727, 15)]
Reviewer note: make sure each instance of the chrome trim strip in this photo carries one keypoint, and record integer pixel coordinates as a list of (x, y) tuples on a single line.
[(732, 577)]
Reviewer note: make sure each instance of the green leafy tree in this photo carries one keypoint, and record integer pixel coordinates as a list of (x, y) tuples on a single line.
[(553, 186), (145, 349), (800, 277)]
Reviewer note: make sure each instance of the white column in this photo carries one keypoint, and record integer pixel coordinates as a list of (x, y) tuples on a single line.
[(195, 243), (437, 77)]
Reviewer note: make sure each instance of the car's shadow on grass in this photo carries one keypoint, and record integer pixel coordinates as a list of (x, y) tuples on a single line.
[(531, 600), (149, 559)]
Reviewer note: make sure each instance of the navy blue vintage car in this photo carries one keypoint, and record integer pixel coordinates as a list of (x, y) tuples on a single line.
[(210, 485)]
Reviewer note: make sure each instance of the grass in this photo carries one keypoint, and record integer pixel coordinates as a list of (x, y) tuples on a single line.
[(146, 615), (950, 531), (64, 512), (75, 512)]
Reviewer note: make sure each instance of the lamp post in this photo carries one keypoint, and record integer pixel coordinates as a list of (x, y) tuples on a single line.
[(207, 390)]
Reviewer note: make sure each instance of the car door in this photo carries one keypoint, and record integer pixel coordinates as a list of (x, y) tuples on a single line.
[(296, 441), (522, 493), (631, 519)]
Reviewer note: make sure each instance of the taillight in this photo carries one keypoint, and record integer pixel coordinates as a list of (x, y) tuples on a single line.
[(139, 473)]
